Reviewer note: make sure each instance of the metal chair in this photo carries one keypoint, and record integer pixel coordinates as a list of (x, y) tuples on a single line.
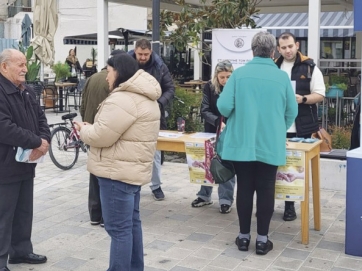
[(76, 93), (38, 88)]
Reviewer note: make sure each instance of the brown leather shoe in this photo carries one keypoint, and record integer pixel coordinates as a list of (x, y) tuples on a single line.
[(31, 258)]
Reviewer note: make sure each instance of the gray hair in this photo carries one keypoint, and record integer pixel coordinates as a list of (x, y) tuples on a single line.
[(5, 55), (263, 44), (223, 66)]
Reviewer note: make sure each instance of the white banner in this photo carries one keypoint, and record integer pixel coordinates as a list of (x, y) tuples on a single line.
[(233, 45)]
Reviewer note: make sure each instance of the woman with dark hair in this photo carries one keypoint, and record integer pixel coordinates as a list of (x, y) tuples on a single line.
[(122, 144)]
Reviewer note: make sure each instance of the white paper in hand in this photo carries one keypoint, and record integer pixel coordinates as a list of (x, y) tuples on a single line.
[(23, 156)]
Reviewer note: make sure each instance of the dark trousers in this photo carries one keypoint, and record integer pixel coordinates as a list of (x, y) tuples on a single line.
[(94, 199), (16, 219), (290, 135), (251, 177)]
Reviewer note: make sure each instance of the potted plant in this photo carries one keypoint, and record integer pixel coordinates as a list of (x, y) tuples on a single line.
[(338, 85), (61, 71), (32, 63)]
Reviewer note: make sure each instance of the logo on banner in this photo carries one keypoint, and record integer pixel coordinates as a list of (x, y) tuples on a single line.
[(239, 43)]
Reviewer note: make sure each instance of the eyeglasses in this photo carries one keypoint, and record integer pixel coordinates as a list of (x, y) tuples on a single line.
[(224, 64)]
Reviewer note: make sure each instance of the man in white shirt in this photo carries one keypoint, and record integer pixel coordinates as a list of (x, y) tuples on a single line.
[(309, 88)]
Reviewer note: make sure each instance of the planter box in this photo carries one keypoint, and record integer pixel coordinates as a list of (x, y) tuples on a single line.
[(334, 92)]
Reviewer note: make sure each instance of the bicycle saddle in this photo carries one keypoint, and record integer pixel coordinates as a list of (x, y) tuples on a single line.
[(69, 116)]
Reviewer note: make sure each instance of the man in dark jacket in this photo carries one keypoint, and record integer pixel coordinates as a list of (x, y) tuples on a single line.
[(22, 124), (96, 89), (153, 64), (310, 90)]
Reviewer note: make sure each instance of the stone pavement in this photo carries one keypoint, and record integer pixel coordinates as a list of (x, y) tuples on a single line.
[(177, 237)]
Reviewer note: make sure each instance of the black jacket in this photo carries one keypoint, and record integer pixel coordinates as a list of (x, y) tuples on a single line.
[(159, 70), (209, 111), (355, 135), (22, 123), (307, 120)]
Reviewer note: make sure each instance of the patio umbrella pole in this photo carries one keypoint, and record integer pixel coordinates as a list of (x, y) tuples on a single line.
[(42, 72)]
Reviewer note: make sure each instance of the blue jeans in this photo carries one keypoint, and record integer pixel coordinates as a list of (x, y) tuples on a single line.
[(225, 191), (121, 214), (156, 171)]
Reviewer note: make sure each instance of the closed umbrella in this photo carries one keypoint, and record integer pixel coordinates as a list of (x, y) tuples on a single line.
[(45, 22), (26, 30)]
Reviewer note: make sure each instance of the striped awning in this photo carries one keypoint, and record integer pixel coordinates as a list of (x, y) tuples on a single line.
[(332, 24)]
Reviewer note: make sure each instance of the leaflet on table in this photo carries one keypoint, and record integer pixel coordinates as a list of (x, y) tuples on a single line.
[(195, 156), (169, 135), (203, 135), (290, 179), (23, 156)]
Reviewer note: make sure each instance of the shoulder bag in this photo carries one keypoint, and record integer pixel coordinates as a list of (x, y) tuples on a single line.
[(326, 138), (222, 171)]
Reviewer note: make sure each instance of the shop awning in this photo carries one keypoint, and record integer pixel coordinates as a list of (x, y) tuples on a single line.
[(116, 35), (333, 24)]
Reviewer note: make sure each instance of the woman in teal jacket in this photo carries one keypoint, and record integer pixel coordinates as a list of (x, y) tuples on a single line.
[(260, 105)]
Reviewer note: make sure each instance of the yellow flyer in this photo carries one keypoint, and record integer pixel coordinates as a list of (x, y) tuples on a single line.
[(290, 179), (195, 156)]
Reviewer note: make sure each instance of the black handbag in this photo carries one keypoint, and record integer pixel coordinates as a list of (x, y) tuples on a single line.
[(221, 170)]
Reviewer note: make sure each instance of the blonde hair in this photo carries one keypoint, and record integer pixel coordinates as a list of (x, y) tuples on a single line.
[(222, 66)]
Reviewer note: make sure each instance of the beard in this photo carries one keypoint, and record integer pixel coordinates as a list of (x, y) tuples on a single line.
[(143, 64)]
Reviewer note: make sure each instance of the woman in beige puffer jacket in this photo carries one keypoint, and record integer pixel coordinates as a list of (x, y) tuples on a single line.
[(122, 143)]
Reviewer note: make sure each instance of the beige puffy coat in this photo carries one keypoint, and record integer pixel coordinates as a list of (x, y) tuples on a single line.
[(124, 135)]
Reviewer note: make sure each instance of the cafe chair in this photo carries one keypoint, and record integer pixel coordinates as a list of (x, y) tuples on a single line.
[(50, 97), (38, 88), (74, 92)]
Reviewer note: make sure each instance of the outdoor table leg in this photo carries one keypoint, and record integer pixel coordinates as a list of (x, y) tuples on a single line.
[(60, 92), (316, 192), (305, 207)]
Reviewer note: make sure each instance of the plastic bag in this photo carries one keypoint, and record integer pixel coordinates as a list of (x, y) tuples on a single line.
[(23, 156)]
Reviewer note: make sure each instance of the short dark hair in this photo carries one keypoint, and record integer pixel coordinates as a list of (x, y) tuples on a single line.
[(143, 44), (285, 36), (125, 65), (117, 51)]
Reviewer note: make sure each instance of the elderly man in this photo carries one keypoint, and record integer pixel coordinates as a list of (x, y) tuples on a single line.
[(22, 124), (153, 64)]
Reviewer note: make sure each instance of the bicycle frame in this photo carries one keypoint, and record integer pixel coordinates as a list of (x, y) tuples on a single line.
[(78, 143)]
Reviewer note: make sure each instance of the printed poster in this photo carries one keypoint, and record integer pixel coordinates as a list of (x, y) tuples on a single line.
[(233, 45), (195, 156), (290, 179)]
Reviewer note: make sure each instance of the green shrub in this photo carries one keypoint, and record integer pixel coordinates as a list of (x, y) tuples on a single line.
[(189, 110), (338, 79), (341, 137), (61, 70)]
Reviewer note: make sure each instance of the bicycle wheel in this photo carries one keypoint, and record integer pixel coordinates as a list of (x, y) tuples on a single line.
[(63, 150)]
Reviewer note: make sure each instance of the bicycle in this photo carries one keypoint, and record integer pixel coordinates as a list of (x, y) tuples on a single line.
[(65, 143)]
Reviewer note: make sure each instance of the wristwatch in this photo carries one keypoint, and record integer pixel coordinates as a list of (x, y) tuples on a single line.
[(304, 99)]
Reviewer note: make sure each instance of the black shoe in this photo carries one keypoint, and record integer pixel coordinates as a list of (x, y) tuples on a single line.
[(242, 243), (289, 213), (225, 208), (199, 202), (102, 223), (263, 248), (158, 194), (95, 223), (5, 269), (31, 258)]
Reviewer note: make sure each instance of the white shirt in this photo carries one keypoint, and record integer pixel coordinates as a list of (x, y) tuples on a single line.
[(316, 84)]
